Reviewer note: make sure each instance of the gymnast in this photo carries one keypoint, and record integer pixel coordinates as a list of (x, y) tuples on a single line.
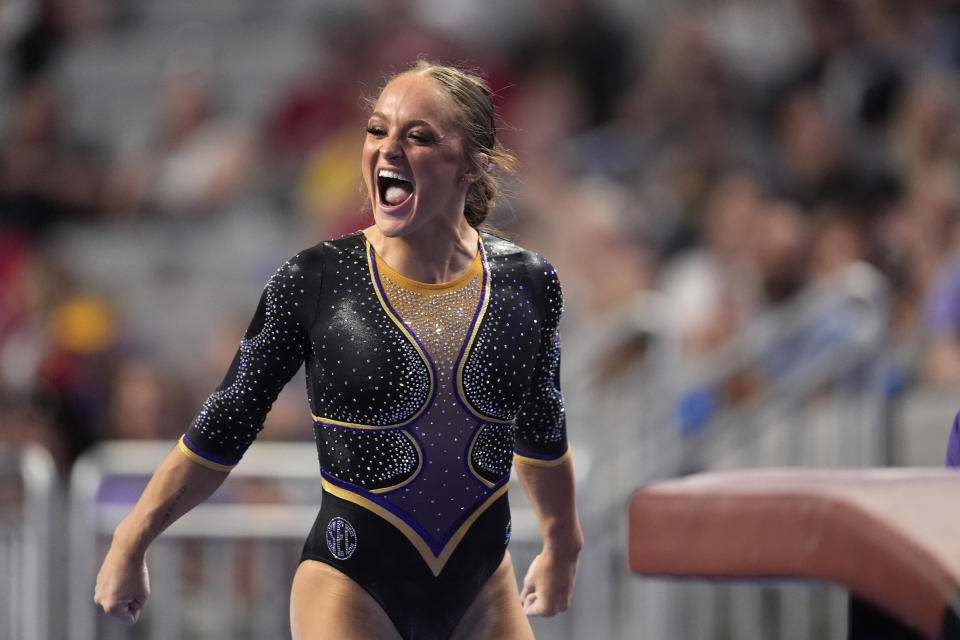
[(432, 363)]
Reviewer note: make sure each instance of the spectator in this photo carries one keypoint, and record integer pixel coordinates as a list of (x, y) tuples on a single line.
[(45, 177), (714, 288), (199, 160)]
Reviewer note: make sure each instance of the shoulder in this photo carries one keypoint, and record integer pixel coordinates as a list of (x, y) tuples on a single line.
[(309, 263), (511, 256), (511, 263), (297, 284)]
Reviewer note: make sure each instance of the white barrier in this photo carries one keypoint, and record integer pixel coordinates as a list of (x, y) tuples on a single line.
[(822, 400), (28, 497), (228, 533)]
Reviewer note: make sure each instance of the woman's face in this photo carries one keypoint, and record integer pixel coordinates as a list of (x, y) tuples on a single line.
[(413, 163)]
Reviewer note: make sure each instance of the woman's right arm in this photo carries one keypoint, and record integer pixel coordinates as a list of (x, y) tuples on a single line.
[(178, 485), (274, 347)]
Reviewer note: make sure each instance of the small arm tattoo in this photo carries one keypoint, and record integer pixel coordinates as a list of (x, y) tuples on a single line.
[(171, 504)]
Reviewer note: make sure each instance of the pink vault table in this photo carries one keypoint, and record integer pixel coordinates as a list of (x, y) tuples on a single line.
[(892, 536)]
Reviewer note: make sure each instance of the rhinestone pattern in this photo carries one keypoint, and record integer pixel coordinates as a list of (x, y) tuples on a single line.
[(541, 424), (513, 370), (373, 460), (498, 370), (401, 387), (363, 370), (271, 351), (440, 319), (341, 538), (492, 452)]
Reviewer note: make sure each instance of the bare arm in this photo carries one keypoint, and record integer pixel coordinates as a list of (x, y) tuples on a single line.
[(177, 486), (548, 585)]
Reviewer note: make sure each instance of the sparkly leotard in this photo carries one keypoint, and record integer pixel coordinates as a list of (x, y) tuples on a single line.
[(422, 396)]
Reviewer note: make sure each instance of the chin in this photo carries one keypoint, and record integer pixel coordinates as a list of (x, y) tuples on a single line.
[(390, 226), (395, 221)]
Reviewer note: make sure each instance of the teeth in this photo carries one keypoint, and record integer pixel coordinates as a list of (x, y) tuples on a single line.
[(386, 173)]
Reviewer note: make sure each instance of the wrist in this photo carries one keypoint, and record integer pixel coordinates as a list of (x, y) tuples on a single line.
[(129, 545), (565, 548), (562, 535)]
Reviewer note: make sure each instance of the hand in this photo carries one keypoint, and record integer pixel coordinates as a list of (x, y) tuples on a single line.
[(548, 585), (123, 586)]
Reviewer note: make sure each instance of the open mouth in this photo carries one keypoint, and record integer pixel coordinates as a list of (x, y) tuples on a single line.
[(393, 188)]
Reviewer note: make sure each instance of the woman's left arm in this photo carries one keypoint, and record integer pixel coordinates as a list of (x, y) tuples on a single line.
[(543, 464), (548, 585)]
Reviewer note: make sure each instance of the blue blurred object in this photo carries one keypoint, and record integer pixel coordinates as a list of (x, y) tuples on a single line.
[(896, 380), (694, 410)]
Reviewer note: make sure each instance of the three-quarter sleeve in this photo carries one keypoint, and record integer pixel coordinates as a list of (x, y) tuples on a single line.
[(541, 434), (272, 349)]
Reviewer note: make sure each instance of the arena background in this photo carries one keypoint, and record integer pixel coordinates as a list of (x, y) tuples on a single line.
[(753, 206)]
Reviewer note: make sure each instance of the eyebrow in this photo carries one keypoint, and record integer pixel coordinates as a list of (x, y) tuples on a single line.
[(411, 123)]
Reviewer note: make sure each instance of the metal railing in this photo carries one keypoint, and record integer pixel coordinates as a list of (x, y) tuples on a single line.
[(817, 397), (221, 571), (28, 507)]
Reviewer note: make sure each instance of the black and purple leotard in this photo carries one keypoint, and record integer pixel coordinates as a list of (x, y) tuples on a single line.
[(422, 397)]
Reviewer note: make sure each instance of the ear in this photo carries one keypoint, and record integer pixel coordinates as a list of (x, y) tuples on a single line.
[(473, 174)]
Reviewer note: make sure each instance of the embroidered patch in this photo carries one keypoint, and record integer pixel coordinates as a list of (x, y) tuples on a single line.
[(341, 538)]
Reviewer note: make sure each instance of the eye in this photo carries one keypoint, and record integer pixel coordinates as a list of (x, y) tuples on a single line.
[(376, 131), (420, 138)]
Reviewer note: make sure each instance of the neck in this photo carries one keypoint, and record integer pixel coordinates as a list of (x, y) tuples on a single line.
[(439, 254)]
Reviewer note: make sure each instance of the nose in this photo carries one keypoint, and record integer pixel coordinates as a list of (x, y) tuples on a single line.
[(390, 148)]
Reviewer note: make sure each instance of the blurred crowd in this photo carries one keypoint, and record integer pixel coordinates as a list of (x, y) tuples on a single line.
[(703, 160)]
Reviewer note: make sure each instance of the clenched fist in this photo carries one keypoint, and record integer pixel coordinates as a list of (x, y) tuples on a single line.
[(548, 585), (123, 586)]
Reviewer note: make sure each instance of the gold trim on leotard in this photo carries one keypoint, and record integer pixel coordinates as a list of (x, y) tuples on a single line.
[(468, 345), (203, 462), (473, 470), (537, 462), (413, 476), (435, 562), (429, 288), (380, 272), (406, 332), (365, 427)]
